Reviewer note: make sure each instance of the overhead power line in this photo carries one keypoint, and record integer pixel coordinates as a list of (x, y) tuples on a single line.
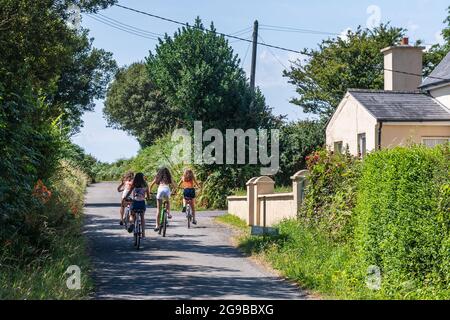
[(131, 27), (124, 29), (275, 28), (297, 30), (204, 30)]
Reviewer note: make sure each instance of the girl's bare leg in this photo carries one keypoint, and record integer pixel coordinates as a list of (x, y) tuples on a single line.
[(193, 208), (158, 212), (122, 209)]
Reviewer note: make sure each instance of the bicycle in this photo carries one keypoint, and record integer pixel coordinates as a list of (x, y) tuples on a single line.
[(136, 226), (137, 229), (163, 217), (189, 215)]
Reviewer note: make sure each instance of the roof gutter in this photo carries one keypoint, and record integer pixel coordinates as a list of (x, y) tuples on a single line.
[(380, 128)]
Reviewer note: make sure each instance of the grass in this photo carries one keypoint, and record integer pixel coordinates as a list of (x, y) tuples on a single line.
[(45, 277), (234, 221), (306, 256), (29, 270)]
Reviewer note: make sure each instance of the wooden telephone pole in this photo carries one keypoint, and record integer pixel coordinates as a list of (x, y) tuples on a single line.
[(254, 52)]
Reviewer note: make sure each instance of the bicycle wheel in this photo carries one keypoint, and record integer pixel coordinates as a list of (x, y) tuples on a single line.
[(164, 226), (189, 215), (139, 234), (161, 221)]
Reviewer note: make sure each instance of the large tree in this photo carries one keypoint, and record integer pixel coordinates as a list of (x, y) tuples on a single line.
[(340, 63), (438, 51), (49, 75), (134, 105), (199, 76)]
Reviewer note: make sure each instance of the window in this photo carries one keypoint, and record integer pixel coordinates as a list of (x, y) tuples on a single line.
[(434, 141), (362, 150), (338, 147)]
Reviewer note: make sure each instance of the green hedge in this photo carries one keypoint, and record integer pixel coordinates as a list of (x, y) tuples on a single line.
[(402, 216)]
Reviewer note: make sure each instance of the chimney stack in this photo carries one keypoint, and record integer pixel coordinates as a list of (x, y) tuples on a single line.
[(403, 67)]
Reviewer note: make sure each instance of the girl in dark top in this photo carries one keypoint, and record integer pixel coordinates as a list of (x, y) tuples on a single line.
[(139, 191)]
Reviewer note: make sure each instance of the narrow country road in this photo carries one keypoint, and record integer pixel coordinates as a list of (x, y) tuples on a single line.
[(199, 263)]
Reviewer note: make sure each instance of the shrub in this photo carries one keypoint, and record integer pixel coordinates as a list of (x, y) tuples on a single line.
[(37, 250), (402, 216), (331, 192)]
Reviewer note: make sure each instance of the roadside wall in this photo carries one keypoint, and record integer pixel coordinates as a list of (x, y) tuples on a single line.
[(278, 206)]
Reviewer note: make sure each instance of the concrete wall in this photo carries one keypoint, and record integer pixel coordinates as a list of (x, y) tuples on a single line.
[(442, 95), (393, 135), (349, 120), (238, 206), (279, 206)]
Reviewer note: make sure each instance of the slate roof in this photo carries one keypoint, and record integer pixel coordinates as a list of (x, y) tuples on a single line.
[(399, 106), (440, 75)]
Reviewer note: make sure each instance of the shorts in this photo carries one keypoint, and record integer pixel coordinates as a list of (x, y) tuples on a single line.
[(138, 205), (163, 193), (189, 193)]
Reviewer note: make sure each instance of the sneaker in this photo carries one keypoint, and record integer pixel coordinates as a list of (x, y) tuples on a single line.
[(194, 221), (121, 223), (183, 210), (156, 229), (130, 228)]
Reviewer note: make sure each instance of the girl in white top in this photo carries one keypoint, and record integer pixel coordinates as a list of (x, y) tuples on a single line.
[(164, 182)]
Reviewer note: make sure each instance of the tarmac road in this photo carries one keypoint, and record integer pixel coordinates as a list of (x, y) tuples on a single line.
[(196, 263)]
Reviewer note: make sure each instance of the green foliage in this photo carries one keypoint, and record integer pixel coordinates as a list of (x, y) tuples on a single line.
[(35, 256), (199, 77), (391, 211), (402, 215), (437, 52), (297, 141), (49, 75), (220, 181), (331, 192), (77, 157), (339, 64), (134, 105)]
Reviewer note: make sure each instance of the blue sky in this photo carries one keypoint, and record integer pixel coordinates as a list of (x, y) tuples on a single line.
[(423, 19)]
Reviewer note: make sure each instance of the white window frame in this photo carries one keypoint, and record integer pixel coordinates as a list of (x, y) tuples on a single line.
[(342, 146), (434, 138), (362, 153)]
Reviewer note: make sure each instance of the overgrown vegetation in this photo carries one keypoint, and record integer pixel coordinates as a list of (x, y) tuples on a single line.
[(50, 75), (394, 217), (37, 251)]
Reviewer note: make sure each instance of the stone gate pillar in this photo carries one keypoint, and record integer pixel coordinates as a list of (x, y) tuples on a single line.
[(262, 185), (299, 183)]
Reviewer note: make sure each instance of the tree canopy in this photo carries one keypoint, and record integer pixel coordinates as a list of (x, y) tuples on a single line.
[(339, 64), (438, 51), (198, 74), (134, 105)]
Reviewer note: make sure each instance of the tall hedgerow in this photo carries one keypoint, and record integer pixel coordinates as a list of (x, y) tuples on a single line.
[(402, 219)]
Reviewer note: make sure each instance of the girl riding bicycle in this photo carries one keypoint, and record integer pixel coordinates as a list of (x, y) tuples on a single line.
[(188, 183), (164, 181), (139, 191), (124, 187)]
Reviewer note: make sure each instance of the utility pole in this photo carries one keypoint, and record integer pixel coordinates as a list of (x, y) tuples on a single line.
[(254, 52)]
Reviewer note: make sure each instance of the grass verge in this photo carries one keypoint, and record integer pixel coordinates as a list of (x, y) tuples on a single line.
[(33, 264), (328, 269)]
